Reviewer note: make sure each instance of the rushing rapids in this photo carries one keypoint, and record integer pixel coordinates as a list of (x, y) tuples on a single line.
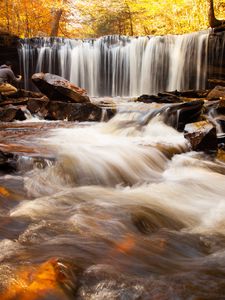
[(122, 210), (121, 66)]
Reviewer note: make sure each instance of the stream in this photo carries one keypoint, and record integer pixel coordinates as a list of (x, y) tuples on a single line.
[(112, 210)]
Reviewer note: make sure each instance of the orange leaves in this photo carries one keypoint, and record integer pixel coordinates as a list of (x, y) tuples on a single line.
[(85, 18), (4, 192), (32, 283), (125, 245)]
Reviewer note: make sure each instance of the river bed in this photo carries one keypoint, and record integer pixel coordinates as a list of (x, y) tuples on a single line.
[(112, 210)]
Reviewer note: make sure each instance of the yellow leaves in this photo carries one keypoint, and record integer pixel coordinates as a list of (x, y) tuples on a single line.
[(87, 18)]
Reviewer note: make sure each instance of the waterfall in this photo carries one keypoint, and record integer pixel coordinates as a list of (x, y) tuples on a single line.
[(119, 65)]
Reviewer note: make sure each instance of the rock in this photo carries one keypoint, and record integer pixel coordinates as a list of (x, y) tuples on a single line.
[(178, 115), (73, 111), (220, 106), (37, 105), (215, 82), (173, 97), (16, 101), (11, 113), (7, 162), (201, 135), (190, 93), (215, 106), (217, 93), (221, 140), (161, 98), (148, 220), (221, 155), (21, 93), (59, 89)]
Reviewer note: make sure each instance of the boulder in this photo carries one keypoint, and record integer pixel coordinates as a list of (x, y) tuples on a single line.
[(59, 89), (73, 111), (201, 135), (217, 93)]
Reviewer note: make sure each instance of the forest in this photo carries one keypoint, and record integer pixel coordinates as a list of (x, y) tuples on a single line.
[(94, 18)]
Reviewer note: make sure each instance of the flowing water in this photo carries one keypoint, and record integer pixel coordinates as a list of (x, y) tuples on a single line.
[(119, 65), (123, 209)]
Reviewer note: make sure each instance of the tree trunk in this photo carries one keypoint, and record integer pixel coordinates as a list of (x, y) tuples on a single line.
[(7, 15), (130, 19), (213, 22), (55, 22)]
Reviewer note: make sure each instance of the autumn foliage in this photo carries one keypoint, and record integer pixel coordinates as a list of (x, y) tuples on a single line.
[(93, 18), (34, 283)]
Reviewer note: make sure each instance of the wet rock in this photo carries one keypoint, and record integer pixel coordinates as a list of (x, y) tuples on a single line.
[(201, 135), (58, 88), (173, 96), (14, 101), (37, 105), (190, 93), (161, 98), (21, 93), (219, 106), (7, 162), (221, 155), (215, 82), (217, 93), (215, 110), (221, 140), (181, 114), (73, 111), (148, 220), (11, 113), (21, 97)]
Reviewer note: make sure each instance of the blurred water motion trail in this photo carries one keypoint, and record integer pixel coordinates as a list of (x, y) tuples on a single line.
[(123, 211)]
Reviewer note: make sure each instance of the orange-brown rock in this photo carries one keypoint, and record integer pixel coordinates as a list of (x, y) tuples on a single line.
[(201, 135), (58, 88)]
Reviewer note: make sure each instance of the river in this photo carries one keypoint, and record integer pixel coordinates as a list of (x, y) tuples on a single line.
[(113, 210)]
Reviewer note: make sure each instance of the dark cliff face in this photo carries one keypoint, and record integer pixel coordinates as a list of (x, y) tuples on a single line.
[(8, 50), (216, 56)]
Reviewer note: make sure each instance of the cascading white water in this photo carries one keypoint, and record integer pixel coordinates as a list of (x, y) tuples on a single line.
[(121, 66), (113, 210)]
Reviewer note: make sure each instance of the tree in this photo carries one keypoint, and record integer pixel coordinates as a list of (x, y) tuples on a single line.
[(93, 18), (56, 13), (213, 22)]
